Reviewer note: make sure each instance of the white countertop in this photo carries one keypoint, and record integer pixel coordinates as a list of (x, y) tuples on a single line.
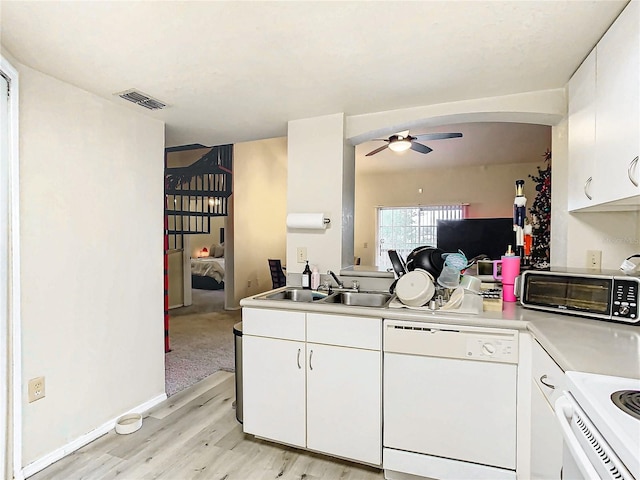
[(590, 346), (575, 343)]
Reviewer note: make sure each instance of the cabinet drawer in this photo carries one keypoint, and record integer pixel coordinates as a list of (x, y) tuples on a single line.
[(283, 324), (345, 331), (546, 374)]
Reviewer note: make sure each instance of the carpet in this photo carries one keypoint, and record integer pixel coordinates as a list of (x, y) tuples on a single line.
[(201, 344)]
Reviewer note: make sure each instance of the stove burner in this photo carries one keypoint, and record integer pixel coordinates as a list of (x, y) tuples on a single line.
[(628, 401)]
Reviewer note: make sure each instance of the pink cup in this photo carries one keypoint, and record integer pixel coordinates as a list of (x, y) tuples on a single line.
[(510, 270)]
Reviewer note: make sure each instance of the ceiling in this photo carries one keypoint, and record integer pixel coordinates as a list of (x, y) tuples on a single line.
[(233, 71), (485, 143)]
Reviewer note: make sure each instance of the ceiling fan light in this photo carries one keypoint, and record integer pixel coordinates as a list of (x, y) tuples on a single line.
[(400, 145)]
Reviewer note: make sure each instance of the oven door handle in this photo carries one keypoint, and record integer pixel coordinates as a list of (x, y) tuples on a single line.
[(564, 412)]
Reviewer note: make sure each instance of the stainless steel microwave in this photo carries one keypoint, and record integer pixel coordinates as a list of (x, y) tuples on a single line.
[(611, 296)]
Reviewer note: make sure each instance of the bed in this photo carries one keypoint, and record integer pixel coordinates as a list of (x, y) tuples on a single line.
[(207, 273)]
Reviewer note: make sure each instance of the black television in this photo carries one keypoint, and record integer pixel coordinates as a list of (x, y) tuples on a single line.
[(476, 236)]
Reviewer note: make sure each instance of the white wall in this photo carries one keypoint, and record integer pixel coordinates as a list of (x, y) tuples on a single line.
[(91, 212), (615, 233), (259, 214), (320, 164), (321, 180), (489, 191)]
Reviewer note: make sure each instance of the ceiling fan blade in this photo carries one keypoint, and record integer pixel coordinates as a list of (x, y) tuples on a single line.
[(418, 147), (404, 134), (437, 136), (377, 150)]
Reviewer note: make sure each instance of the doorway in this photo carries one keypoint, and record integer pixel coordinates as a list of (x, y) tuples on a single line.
[(200, 333), (10, 365)]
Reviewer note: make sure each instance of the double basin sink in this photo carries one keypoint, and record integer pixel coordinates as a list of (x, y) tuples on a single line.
[(355, 299)]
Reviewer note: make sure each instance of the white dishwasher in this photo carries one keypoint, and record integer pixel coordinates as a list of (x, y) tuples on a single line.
[(449, 401)]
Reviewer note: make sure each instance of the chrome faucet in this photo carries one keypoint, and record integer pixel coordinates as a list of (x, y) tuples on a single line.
[(354, 287), (338, 282)]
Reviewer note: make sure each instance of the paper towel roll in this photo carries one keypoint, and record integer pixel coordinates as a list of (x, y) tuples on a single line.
[(313, 221)]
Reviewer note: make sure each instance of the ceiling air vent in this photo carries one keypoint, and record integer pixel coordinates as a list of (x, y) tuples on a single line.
[(141, 99)]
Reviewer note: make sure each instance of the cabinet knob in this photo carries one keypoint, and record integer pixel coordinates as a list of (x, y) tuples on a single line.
[(310, 357), (298, 359), (632, 166)]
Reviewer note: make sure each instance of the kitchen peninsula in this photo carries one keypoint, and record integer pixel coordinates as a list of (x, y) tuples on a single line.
[(340, 411)]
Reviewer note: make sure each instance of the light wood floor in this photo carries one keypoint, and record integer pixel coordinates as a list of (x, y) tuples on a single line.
[(194, 435)]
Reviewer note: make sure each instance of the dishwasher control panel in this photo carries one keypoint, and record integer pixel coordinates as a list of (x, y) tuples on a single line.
[(449, 341), (501, 349)]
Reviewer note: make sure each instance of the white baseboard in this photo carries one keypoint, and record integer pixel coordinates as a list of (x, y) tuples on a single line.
[(52, 457)]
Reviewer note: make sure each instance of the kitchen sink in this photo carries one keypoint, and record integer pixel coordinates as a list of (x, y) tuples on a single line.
[(295, 295), (359, 299)]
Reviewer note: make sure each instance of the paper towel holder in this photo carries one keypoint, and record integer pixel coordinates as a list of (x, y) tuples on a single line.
[(306, 221)]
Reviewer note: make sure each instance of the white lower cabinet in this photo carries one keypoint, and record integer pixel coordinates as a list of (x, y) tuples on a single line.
[(546, 436), (274, 389), (343, 402), (324, 395), (546, 439)]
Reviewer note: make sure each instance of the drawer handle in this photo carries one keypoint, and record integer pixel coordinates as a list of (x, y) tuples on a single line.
[(587, 184), (542, 381), (633, 163), (310, 357), (299, 366)]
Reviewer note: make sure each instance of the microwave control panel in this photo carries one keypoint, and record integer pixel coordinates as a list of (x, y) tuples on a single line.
[(625, 299)]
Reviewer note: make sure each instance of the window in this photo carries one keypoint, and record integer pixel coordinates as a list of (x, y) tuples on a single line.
[(405, 228)]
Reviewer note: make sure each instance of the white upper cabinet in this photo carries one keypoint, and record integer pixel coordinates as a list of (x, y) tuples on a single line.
[(618, 106), (582, 134), (609, 112)]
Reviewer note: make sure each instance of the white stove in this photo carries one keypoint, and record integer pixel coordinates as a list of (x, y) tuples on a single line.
[(597, 431)]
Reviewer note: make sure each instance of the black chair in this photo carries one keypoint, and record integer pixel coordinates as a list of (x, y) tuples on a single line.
[(278, 277)]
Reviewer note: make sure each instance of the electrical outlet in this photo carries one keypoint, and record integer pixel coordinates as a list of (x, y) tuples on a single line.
[(302, 254), (36, 389), (249, 284), (594, 259), (366, 244)]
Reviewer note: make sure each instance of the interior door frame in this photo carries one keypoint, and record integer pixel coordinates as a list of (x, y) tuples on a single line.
[(10, 317)]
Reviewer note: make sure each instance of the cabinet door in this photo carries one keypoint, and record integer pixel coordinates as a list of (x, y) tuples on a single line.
[(618, 106), (582, 135), (344, 406), (274, 389), (546, 438)]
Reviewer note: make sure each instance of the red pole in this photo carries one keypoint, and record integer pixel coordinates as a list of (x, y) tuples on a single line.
[(167, 347)]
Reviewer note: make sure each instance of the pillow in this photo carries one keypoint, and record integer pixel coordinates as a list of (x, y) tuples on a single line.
[(216, 251)]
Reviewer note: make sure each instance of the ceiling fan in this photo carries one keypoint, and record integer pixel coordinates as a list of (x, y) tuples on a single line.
[(403, 141)]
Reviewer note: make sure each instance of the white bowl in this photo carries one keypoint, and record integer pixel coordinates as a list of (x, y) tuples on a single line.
[(415, 288), (128, 423)]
